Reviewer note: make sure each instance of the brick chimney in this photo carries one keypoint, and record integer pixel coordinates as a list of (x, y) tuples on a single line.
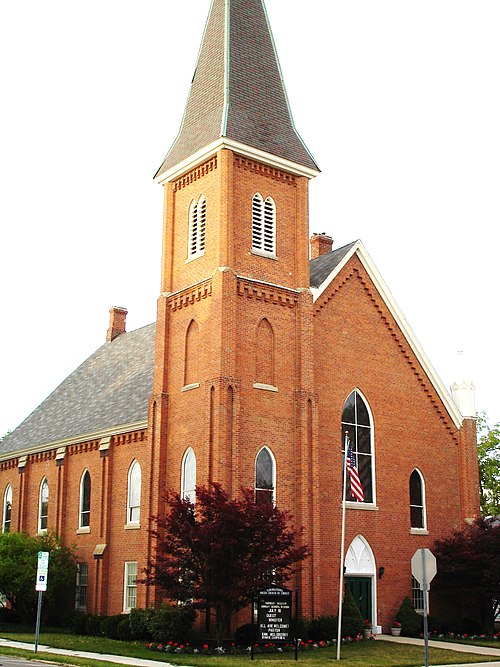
[(320, 244), (117, 317)]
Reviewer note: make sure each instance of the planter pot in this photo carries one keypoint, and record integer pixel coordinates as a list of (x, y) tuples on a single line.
[(395, 632)]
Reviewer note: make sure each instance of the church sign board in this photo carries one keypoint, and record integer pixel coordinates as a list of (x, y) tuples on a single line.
[(274, 615)]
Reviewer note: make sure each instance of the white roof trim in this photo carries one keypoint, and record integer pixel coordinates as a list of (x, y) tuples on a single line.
[(382, 288), (241, 149)]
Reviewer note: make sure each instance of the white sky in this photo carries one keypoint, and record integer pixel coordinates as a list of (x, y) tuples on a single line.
[(398, 101)]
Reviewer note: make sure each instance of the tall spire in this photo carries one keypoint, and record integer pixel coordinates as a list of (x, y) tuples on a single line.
[(237, 95)]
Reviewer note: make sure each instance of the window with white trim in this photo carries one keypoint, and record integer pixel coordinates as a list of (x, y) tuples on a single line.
[(43, 506), (356, 420), (417, 596), (84, 518), (82, 576), (134, 493), (197, 225), (263, 225), (265, 477), (417, 500), (188, 479), (7, 509), (130, 586)]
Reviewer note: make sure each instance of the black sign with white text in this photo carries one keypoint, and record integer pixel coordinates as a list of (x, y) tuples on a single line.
[(274, 615)]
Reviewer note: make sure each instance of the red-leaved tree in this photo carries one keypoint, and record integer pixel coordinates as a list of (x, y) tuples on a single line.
[(216, 553)]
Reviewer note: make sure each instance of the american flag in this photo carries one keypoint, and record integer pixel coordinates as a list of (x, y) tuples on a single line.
[(356, 488)]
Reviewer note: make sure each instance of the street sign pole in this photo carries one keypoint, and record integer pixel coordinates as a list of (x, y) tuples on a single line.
[(38, 614), (40, 586), (425, 587)]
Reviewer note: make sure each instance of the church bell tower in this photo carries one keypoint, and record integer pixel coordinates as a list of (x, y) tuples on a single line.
[(233, 398)]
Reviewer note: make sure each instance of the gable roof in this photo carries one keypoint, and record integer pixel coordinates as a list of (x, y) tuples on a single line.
[(237, 92), (109, 390), (326, 267)]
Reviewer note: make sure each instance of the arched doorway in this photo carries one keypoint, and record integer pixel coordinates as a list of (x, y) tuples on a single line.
[(360, 577)]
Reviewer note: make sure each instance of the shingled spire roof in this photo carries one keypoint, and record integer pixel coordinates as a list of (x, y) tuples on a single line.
[(237, 93)]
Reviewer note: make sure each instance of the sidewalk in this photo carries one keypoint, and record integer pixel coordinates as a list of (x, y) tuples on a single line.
[(142, 662), (449, 646)]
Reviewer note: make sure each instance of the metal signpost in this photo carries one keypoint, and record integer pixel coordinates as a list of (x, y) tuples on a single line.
[(424, 568), (41, 586)]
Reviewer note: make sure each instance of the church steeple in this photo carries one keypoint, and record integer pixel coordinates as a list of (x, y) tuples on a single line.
[(238, 98)]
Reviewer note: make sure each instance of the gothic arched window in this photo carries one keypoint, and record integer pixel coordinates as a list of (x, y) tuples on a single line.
[(191, 354), (263, 225), (188, 476), (84, 520), (43, 506), (356, 421), (265, 476), (417, 500), (134, 493), (264, 346), (197, 224), (7, 509)]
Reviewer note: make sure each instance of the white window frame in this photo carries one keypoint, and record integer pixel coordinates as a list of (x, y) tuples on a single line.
[(423, 529), (134, 496), (82, 579), (41, 517), (188, 475), (273, 461), (417, 596), (130, 585), (263, 226), (81, 525), (197, 228), (7, 505), (372, 504)]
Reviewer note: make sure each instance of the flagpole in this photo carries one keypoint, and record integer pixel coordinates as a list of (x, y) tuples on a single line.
[(342, 540)]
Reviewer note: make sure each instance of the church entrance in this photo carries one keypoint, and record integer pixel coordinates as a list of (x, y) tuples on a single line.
[(361, 590), (360, 577)]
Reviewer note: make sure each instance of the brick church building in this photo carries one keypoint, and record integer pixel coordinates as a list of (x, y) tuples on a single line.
[(268, 346)]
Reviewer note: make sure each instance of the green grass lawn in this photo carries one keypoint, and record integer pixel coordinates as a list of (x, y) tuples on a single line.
[(361, 654)]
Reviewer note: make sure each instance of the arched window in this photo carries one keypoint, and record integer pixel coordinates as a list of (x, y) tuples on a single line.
[(265, 476), (417, 500), (197, 222), (7, 509), (43, 506), (134, 493), (188, 477), (84, 521), (263, 225), (357, 422), (191, 354), (264, 346)]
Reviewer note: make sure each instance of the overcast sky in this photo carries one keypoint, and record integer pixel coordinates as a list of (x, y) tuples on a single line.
[(398, 101)]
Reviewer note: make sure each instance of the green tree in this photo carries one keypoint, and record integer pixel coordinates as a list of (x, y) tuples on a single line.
[(2, 437), (488, 450), (468, 571), (18, 566), (215, 555)]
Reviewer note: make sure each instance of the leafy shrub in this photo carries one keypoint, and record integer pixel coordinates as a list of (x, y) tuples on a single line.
[(124, 630), (109, 625), (411, 622), (300, 628), (78, 623), (139, 623), (352, 620), (93, 625), (323, 627), (171, 623), (243, 635)]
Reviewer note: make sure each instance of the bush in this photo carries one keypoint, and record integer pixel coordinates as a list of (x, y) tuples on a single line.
[(109, 625), (139, 623), (411, 622), (352, 620), (171, 623), (78, 623), (93, 625), (300, 628), (243, 634), (124, 631), (323, 627)]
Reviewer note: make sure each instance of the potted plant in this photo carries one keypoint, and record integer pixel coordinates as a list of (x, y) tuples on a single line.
[(396, 629), (367, 629)]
